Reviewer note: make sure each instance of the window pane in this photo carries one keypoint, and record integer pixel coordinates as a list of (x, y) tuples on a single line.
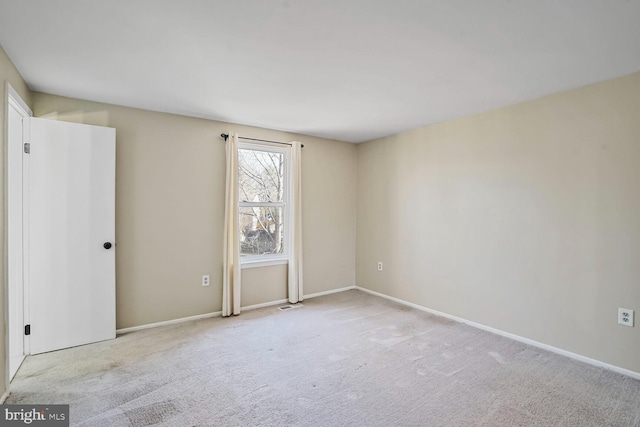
[(261, 231), (260, 176)]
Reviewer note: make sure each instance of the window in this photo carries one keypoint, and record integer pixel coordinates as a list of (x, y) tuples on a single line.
[(262, 202)]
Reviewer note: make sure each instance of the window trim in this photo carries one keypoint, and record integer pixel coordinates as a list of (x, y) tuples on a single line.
[(263, 263), (254, 261)]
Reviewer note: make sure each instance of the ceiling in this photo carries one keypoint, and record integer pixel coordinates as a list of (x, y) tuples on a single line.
[(351, 70)]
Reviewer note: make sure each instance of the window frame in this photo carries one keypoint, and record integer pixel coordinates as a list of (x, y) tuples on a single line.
[(252, 261)]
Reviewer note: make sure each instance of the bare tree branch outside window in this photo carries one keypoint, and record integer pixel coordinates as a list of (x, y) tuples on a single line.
[(262, 185)]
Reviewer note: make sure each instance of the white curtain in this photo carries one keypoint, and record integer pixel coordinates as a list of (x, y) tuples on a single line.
[(231, 253), (295, 262)]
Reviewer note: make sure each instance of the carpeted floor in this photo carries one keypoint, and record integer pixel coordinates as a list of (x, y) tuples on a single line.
[(347, 359)]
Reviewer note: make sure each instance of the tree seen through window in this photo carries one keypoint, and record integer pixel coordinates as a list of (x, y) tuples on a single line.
[(261, 179)]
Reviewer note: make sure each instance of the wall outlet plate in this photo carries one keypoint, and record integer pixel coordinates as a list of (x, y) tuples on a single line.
[(206, 280), (625, 317), (379, 265)]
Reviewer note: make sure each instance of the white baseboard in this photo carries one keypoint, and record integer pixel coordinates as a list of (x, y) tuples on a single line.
[(286, 301), (219, 313), (514, 337), (167, 322), (264, 304), (329, 292), (4, 397)]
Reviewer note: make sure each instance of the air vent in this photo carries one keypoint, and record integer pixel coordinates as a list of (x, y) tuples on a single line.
[(289, 306)]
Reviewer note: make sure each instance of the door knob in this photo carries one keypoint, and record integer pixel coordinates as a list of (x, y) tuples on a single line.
[(107, 245)]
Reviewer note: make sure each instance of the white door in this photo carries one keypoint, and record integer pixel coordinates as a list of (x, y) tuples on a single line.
[(71, 234), (16, 112)]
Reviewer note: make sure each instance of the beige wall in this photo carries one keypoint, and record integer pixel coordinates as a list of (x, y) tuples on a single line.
[(170, 207), (8, 74), (264, 284), (525, 219)]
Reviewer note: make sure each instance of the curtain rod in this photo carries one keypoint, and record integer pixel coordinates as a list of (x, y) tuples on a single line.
[(225, 136)]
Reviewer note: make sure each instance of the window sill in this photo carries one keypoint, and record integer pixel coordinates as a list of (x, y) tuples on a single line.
[(263, 263)]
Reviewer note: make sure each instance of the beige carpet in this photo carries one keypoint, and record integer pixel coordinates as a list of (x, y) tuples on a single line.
[(348, 359)]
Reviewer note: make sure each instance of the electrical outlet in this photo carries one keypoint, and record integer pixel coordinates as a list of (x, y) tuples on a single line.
[(206, 279), (379, 265), (625, 317)]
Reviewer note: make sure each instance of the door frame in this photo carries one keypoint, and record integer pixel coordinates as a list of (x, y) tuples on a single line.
[(14, 100)]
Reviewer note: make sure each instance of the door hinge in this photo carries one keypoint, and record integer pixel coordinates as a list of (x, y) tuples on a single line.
[(27, 329), (27, 147)]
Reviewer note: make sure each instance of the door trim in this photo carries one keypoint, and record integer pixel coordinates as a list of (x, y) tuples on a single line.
[(12, 95), (12, 100)]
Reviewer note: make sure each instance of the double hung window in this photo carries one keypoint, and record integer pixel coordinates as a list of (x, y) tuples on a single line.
[(263, 203)]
